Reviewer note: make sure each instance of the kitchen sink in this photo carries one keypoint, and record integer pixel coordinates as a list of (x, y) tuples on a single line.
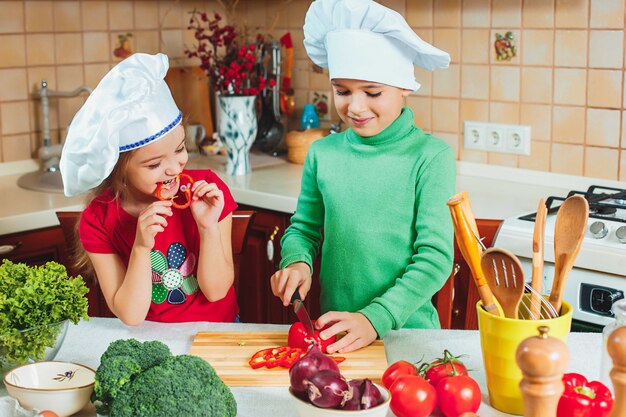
[(44, 181)]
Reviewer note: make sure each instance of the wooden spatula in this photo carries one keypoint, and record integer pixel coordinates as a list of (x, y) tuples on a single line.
[(537, 276), (504, 275), (569, 231)]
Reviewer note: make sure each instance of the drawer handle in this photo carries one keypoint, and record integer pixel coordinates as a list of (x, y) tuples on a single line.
[(456, 268), (270, 244), (6, 249)]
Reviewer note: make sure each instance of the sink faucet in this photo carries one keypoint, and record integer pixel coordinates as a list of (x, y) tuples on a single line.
[(49, 154)]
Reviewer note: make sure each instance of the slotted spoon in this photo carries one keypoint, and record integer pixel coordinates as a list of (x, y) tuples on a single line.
[(504, 275)]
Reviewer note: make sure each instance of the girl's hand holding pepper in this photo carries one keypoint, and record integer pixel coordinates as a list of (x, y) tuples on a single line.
[(207, 204), (359, 330)]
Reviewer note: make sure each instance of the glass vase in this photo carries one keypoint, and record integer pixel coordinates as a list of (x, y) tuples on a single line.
[(237, 127)]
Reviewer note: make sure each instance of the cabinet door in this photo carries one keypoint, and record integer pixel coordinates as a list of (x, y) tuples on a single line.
[(34, 247)]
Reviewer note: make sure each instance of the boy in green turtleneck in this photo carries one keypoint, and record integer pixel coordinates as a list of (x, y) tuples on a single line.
[(378, 190)]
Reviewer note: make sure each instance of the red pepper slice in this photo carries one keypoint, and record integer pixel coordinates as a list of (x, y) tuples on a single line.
[(583, 398), (292, 357), (338, 359), (259, 359), (184, 187)]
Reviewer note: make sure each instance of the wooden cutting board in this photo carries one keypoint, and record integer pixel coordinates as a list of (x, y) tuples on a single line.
[(229, 353), (190, 90)]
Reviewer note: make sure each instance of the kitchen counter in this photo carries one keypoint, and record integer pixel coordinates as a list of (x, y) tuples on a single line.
[(495, 192), (86, 342)]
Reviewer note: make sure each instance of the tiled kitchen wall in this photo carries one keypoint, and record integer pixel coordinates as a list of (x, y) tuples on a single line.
[(567, 80)]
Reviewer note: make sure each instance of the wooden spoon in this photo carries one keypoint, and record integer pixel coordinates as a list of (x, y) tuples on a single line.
[(505, 276), (569, 231), (537, 276)]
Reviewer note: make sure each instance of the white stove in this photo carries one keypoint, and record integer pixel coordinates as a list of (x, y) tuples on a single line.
[(599, 274)]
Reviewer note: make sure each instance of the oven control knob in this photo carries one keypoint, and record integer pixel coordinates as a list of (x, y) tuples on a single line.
[(621, 234), (598, 230)]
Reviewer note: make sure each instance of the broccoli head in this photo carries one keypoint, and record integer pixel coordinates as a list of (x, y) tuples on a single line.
[(147, 354), (182, 385)]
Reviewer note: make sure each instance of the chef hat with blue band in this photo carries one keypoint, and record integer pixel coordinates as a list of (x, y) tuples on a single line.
[(363, 40), (131, 107)]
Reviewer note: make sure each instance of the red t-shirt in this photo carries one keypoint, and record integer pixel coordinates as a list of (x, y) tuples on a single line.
[(106, 228)]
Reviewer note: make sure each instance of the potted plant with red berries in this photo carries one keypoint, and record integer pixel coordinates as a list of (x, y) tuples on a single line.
[(230, 63)]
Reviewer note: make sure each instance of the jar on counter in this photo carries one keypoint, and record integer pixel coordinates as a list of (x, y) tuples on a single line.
[(309, 118), (619, 311)]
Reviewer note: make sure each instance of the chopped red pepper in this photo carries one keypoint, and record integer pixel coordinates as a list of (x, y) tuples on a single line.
[(185, 188), (259, 359), (583, 398), (338, 359)]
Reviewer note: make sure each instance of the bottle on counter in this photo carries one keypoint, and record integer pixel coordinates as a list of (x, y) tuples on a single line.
[(309, 118), (619, 311)]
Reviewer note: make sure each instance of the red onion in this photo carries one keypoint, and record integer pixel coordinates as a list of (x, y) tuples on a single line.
[(309, 365), (328, 389), (371, 395), (357, 390)]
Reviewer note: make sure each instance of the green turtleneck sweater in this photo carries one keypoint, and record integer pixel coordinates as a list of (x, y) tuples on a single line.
[(388, 237)]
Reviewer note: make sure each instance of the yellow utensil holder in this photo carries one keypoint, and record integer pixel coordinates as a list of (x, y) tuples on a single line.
[(499, 338)]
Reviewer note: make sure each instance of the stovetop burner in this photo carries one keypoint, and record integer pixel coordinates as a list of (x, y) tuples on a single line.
[(605, 203)]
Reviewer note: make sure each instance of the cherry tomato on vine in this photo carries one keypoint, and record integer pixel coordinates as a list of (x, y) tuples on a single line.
[(457, 395), (441, 368), (396, 370), (412, 396)]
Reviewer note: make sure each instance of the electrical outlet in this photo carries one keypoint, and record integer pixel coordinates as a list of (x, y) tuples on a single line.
[(497, 137), (517, 140), (474, 134)]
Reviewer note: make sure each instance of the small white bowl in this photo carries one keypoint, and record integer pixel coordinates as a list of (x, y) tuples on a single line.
[(306, 409), (62, 387)]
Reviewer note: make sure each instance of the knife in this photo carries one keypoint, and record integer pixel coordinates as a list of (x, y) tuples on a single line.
[(301, 313)]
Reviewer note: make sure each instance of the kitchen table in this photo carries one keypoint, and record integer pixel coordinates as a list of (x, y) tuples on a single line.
[(86, 342)]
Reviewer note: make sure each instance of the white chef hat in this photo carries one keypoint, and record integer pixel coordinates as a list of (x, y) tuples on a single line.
[(363, 40), (131, 107)]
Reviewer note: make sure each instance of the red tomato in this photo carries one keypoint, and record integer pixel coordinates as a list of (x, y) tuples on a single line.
[(396, 370), (412, 396), (441, 369), (457, 395), (299, 338)]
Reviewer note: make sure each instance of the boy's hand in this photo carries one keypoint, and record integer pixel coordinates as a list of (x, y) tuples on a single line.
[(207, 204), (151, 221), (284, 282), (359, 330)]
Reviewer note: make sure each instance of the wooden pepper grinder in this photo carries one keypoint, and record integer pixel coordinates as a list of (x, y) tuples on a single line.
[(542, 360), (616, 346)]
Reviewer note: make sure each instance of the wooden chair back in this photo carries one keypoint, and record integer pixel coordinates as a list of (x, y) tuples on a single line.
[(97, 304)]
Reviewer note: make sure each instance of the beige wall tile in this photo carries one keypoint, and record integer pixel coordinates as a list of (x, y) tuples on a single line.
[(425, 33), (13, 51), (603, 127), (445, 115), (148, 41), (474, 111), (36, 74), (607, 14), (295, 11), (11, 16), (38, 16), (569, 124), (601, 163), (319, 81), (67, 16), (171, 15), (470, 155), (622, 166), (68, 48), (606, 48), (446, 82), (297, 37), (624, 130), (13, 84), (419, 13), (421, 107), (256, 15), (539, 158), (67, 110), (94, 73), (450, 41), (604, 88), (96, 46), (536, 85), (476, 13), (475, 81), (506, 13), (502, 159), (40, 49), (538, 47), (146, 15), (504, 112), (95, 15), (539, 118), (121, 15), (570, 86), (566, 159), (516, 42), (425, 78), (570, 48), (447, 13), (538, 14), (172, 43), (451, 139), (476, 46), (69, 77), (14, 117), (277, 14), (301, 69), (505, 83), (16, 148), (571, 13)]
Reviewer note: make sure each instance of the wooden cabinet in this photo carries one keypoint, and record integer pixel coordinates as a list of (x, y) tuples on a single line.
[(34, 247)]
